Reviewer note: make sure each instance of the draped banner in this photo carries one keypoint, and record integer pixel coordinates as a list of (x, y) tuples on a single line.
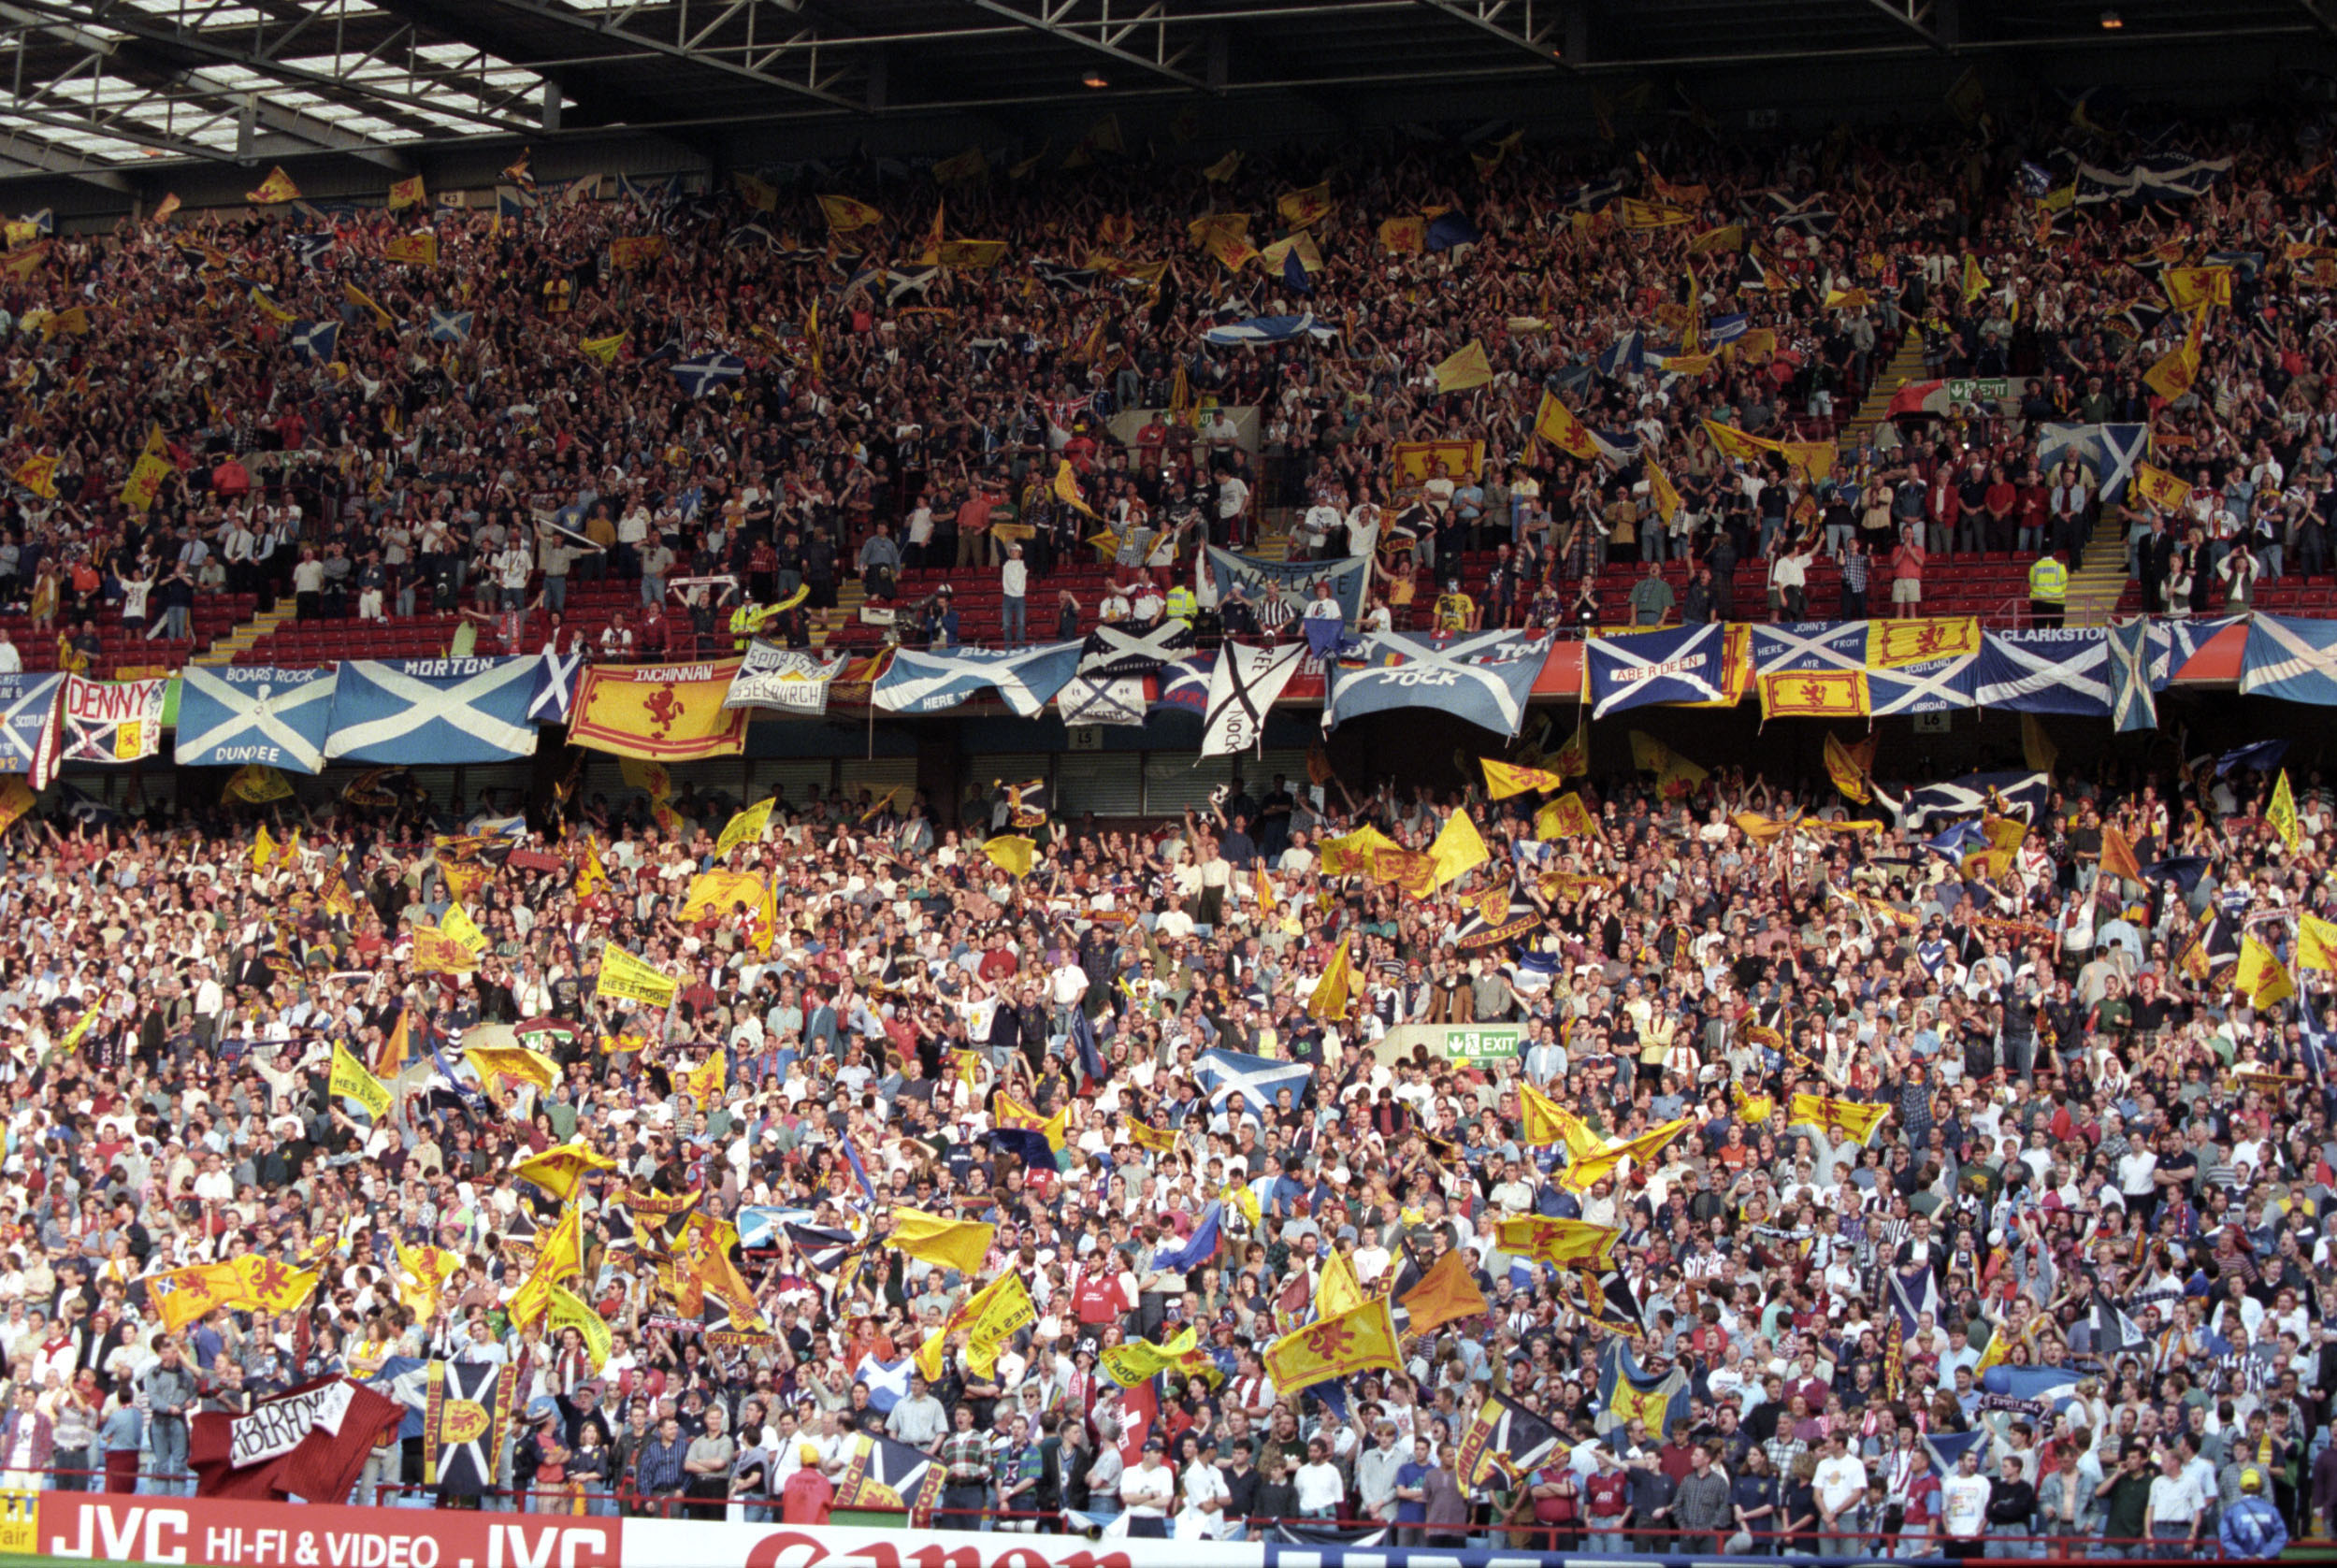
[(1483, 677), (2047, 669), (1025, 679), (28, 707), (668, 712), (1638, 669), (243, 715), (1281, 590), (112, 720), (438, 711), (770, 676)]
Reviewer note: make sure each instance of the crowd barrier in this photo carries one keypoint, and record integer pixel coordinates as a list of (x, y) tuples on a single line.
[(205, 1532)]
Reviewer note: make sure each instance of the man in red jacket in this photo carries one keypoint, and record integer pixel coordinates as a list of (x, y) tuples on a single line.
[(807, 1495)]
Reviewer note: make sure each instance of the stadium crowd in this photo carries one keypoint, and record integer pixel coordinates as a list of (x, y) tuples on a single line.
[(2082, 1112), (479, 429)]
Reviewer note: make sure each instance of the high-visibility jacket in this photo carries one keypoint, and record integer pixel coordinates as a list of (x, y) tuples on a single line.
[(1181, 603), (2048, 581)]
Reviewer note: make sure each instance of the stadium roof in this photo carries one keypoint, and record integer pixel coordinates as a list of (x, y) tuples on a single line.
[(106, 85)]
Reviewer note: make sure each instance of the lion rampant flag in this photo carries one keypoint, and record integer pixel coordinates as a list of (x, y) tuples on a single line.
[(843, 214), (668, 712), (562, 1168), (1505, 779), (1329, 998), (1848, 766), (275, 190), (1554, 422), (407, 192), (1357, 1340), (1566, 818), (1861, 1121), (1465, 369)]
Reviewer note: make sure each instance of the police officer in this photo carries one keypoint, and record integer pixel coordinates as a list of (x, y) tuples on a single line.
[(2252, 1527), (2048, 590)]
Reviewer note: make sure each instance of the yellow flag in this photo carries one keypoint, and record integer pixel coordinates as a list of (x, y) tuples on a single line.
[(1351, 854), (666, 713), (366, 302), (1329, 998), (516, 1062), (1301, 208), (1602, 1166), (843, 214), (1067, 489), (705, 1082), (760, 195), (749, 824), (999, 1301), (1337, 1290), (1403, 236), (39, 475), (603, 348), (1355, 1341), (1154, 1140), (1133, 1361), (1859, 1120), (1466, 369), (275, 190), (1815, 694), (2316, 943), (592, 877), (72, 1040), (1763, 829), (1458, 848), (1663, 493), (1554, 422), (406, 192), (2036, 747), (1504, 778), (1975, 280), (350, 1079), (436, 952), (2261, 977), (1544, 1121), (263, 849), (184, 1296), (565, 1310), (719, 892), (2160, 488), (2197, 288), (953, 1244), (1012, 852), (415, 250), (1224, 169), (624, 976), (1566, 818), (2172, 376), (561, 1169), (1569, 1244), (2282, 814), (458, 924)]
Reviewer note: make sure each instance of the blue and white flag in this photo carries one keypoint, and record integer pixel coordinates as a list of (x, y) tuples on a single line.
[(311, 249), (1913, 1292), (1025, 679), (450, 327), (1933, 686), (1185, 685), (2175, 643), (2263, 756), (1269, 329), (1721, 331), (2053, 1387), (555, 694), (28, 711), (2131, 705), (2021, 795), (2036, 179), (2111, 451), (1484, 677), (824, 1248), (708, 372), (1626, 355), (1797, 645), (1197, 1249), (1281, 590), (2288, 657), (2044, 669), (406, 1380), (2161, 177), (1224, 1074), (886, 1382), (450, 712), (314, 341), (1449, 229), (238, 715), (1638, 669)]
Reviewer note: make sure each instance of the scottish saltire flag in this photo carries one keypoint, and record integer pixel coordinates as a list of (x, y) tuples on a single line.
[(2111, 451), (2262, 757), (2046, 669), (555, 694), (1025, 679), (1281, 590), (28, 710), (311, 249), (1185, 685), (2131, 705), (2021, 795), (1948, 1448), (886, 1382), (406, 1380), (1721, 331), (238, 715), (1626, 1391), (1484, 677), (1224, 1074), (1914, 1292), (1638, 669), (1933, 686), (450, 327), (314, 341), (2053, 1387), (1197, 1249), (2161, 177), (1797, 645), (1116, 652), (1449, 229), (1269, 329), (1626, 355), (2036, 179), (2288, 657), (452, 712), (708, 372)]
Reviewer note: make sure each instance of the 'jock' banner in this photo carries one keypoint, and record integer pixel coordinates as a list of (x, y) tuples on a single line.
[(774, 677), (112, 720), (1281, 590), (1484, 677), (1025, 679), (243, 715), (28, 704), (1639, 669), (447, 711)]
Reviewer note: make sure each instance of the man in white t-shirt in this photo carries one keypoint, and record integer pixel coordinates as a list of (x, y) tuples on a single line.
[(1840, 1481), (1145, 1493), (1964, 1500)]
